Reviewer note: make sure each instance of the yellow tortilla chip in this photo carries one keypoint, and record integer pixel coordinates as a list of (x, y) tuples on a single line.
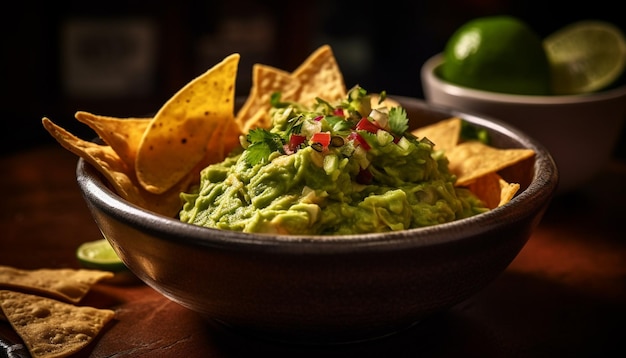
[(320, 76), (473, 159), (265, 81), (444, 134), (507, 191), (176, 140), (120, 176), (70, 285), (50, 328), (122, 134), (493, 190)]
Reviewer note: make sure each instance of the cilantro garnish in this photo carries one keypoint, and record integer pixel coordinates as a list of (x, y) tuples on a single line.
[(262, 144), (398, 121), (339, 125), (382, 96), (294, 125)]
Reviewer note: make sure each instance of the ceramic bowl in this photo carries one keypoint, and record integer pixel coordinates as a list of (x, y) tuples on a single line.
[(580, 131), (328, 289)]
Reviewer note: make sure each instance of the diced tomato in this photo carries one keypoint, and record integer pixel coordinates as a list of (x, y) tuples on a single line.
[(322, 138), (360, 140), (338, 112), (366, 125), (295, 140)]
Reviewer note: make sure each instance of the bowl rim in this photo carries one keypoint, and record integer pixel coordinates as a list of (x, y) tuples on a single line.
[(540, 190), (429, 78)]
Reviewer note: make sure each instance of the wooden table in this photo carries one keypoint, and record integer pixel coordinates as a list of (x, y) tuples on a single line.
[(563, 296)]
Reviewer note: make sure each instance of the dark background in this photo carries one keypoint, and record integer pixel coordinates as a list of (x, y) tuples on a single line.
[(126, 58)]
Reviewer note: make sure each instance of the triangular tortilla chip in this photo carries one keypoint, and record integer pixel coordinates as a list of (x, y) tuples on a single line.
[(473, 159), (320, 76), (507, 191), (444, 134), (176, 140), (50, 328), (265, 81), (70, 285), (122, 134), (493, 190), (119, 175)]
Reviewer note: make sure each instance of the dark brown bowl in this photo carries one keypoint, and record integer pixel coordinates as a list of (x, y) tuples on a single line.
[(328, 289)]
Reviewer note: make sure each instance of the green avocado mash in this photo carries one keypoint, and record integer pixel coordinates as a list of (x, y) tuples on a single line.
[(330, 169)]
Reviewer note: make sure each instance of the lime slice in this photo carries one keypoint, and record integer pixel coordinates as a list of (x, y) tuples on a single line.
[(99, 255), (585, 56)]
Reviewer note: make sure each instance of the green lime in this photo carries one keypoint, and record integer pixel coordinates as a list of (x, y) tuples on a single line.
[(99, 255), (499, 54), (585, 56)]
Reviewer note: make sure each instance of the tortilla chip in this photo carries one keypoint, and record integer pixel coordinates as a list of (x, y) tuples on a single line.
[(444, 134), (320, 76), (120, 176), (122, 134), (473, 159), (176, 140), (507, 191), (66, 284), (227, 136), (493, 190), (51, 328), (266, 80)]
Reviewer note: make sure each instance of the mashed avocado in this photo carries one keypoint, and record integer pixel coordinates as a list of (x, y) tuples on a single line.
[(330, 169)]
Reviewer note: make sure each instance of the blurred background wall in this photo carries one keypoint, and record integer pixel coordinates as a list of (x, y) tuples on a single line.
[(126, 58)]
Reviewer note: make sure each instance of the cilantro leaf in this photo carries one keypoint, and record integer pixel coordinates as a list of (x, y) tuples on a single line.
[(262, 144), (398, 121), (339, 125)]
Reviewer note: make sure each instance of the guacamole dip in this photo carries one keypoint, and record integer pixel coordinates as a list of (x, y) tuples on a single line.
[(338, 169)]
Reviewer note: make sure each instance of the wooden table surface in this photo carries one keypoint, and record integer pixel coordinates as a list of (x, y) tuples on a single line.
[(563, 296)]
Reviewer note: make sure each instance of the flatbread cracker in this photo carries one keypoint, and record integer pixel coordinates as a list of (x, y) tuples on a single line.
[(70, 285), (51, 328)]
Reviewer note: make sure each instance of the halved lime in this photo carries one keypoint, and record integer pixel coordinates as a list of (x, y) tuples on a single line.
[(585, 56), (499, 54), (99, 254)]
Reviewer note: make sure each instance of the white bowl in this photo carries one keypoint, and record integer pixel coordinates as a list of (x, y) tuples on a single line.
[(580, 131)]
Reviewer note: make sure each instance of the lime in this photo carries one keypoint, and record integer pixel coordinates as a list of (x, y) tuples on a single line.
[(499, 54), (585, 56), (99, 254)]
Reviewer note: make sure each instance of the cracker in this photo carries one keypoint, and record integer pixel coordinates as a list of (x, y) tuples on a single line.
[(70, 285), (51, 328)]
